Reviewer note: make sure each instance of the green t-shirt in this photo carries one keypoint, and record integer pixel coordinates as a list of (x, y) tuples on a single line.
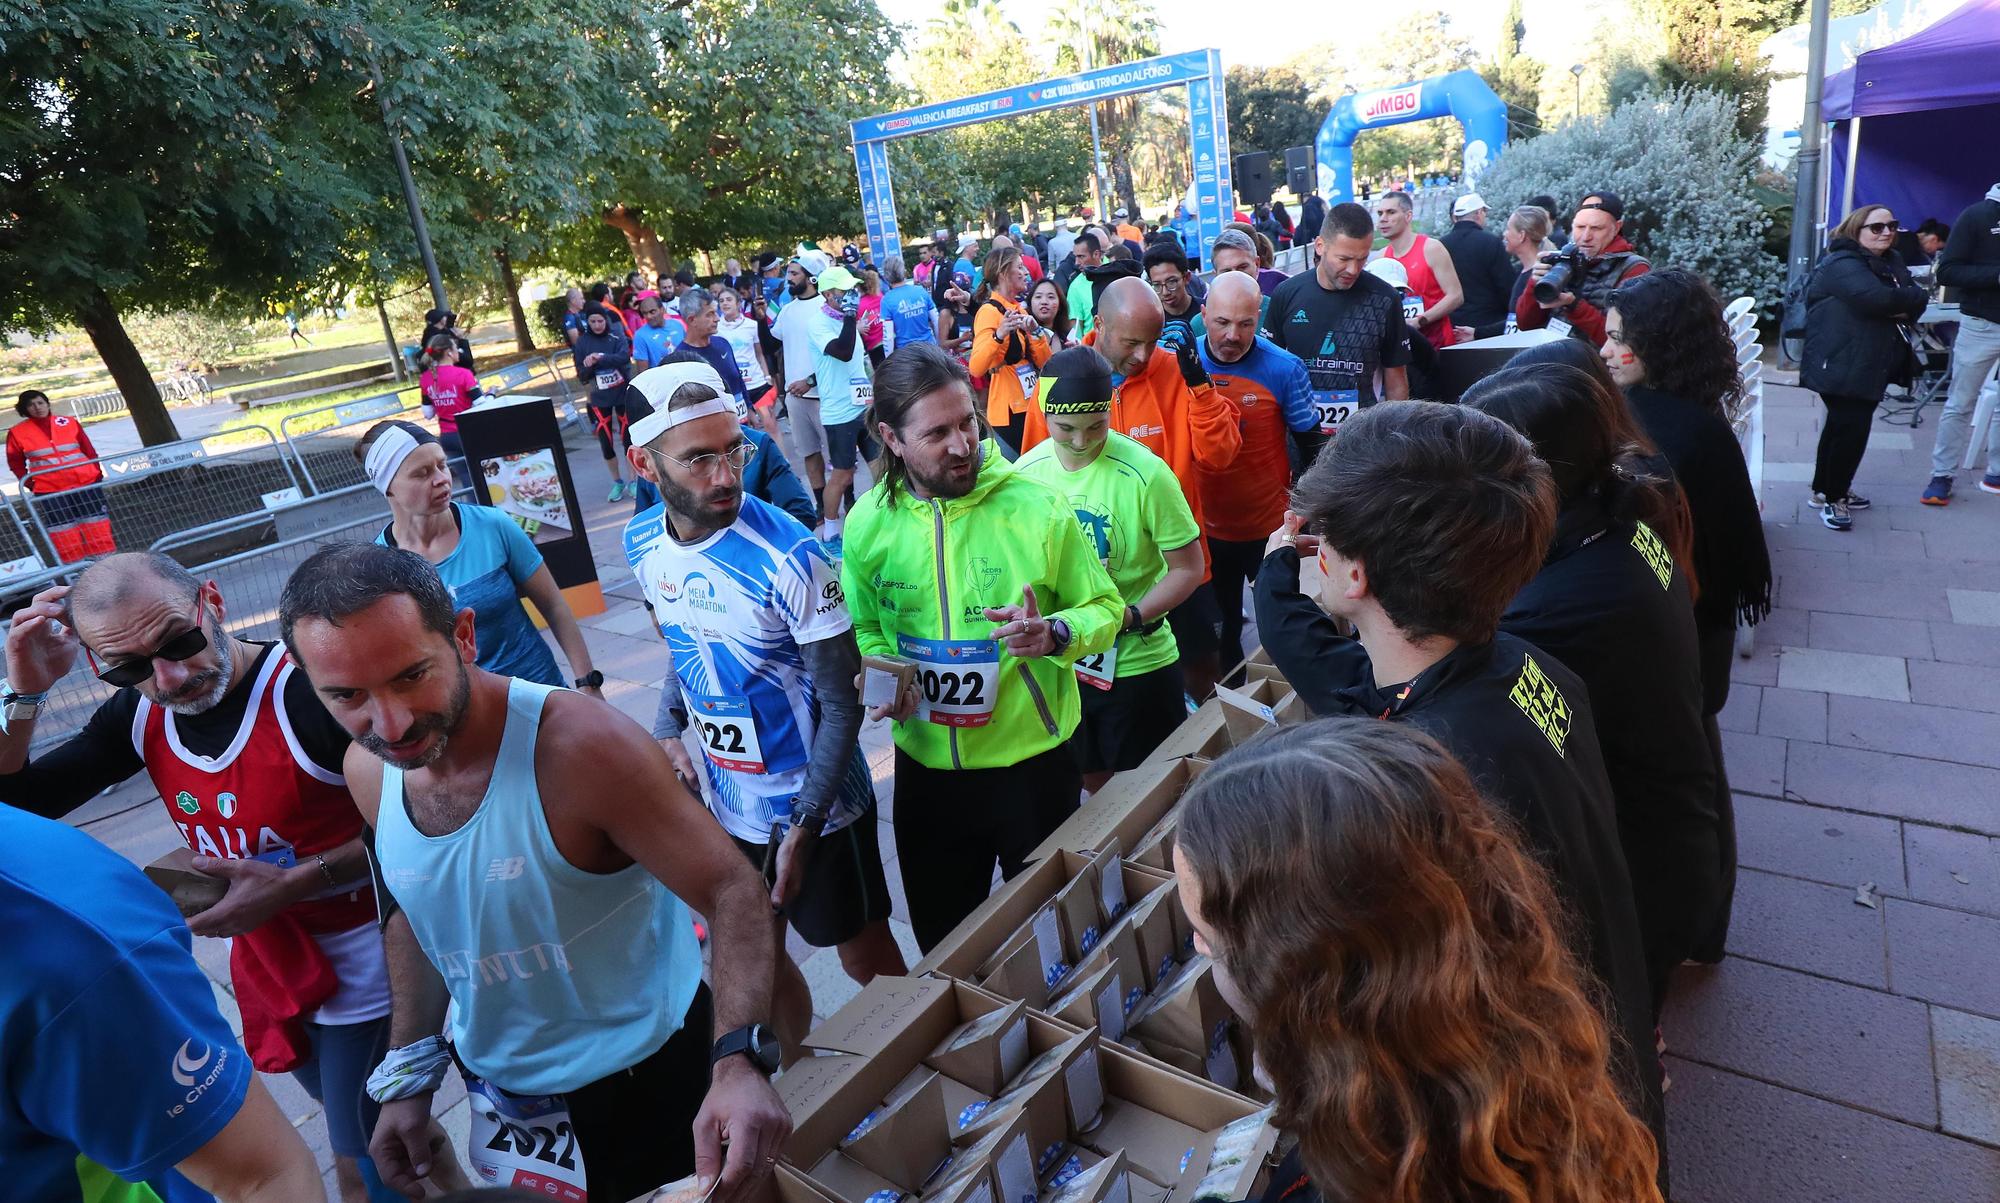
[(1081, 312), (1132, 509)]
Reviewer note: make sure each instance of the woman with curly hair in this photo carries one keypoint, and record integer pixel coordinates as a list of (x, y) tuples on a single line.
[(1667, 345), (1424, 1027)]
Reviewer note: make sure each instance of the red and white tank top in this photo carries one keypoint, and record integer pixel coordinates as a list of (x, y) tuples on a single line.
[(1424, 282), (263, 794)]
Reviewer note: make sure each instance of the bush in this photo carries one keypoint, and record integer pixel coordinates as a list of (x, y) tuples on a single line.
[(1687, 177), (201, 341), (549, 313)]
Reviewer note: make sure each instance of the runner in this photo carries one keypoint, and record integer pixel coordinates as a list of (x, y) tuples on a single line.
[(1135, 517), (793, 327), (764, 663), (1432, 276), (1345, 324), (908, 307), (96, 972), (769, 476), (984, 578), (699, 312), (1272, 391), (1166, 402), (740, 331), (248, 766), (1007, 345), (1089, 253), (845, 391), (604, 358), (661, 332), (1166, 268), (545, 909), (572, 320)]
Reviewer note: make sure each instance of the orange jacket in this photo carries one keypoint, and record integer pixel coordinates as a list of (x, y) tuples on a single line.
[(1188, 428), (1009, 384), (57, 447)]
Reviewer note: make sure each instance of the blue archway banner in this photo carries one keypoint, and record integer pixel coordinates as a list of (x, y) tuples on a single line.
[(1460, 94)]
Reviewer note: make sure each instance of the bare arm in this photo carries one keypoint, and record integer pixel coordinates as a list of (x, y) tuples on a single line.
[(258, 1157), (1395, 384), (1446, 272), (542, 590), (1185, 566)]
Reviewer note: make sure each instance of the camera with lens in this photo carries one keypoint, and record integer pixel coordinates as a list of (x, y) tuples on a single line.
[(1563, 265)]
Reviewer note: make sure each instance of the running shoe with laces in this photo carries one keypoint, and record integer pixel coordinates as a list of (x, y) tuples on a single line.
[(1855, 501), (617, 490), (1990, 483), (1938, 492), (1834, 516)]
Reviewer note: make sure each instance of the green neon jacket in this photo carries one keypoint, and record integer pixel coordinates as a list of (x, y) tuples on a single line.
[(923, 569)]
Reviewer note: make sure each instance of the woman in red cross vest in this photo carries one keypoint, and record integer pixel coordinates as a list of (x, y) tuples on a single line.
[(57, 466)]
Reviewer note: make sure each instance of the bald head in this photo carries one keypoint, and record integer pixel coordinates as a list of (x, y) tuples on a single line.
[(1129, 320), (116, 581), (1234, 305)]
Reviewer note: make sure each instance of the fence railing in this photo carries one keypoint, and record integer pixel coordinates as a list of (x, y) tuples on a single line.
[(322, 440), (156, 490), (94, 405)]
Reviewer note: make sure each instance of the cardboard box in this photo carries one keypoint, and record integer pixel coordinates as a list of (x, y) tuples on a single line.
[(1125, 809), (191, 892), (907, 1139), (875, 1045), (985, 1053), (1155, 849), (1103, 1182), (884, 679), (1188, 1025), (1226, 720)]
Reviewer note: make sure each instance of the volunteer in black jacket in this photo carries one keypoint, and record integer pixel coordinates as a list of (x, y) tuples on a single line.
[(1614, 607), (1969, 265), (1428, 519), (1855, 303), (1485, 270)]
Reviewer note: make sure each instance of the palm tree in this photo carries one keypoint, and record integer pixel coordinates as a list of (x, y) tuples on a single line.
[(1099, 33)]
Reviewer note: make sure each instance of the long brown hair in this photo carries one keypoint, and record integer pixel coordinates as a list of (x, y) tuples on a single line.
[(998, 263), (1429, 1034), (1850, 226)]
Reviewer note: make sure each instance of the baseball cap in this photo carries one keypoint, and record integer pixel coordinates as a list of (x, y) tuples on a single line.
[(1471, 202), (967, 239), (1609, 202), (851, 253), (1390, 271), (814, 262), (1120, 212), (835, 277)]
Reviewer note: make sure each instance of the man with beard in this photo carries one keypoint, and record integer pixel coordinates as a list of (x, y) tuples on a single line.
[(984, 578), (794, 330), (540, 850), (248, 765), (764, 662)]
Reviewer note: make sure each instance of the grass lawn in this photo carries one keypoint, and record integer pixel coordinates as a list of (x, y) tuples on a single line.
[(272, 415)]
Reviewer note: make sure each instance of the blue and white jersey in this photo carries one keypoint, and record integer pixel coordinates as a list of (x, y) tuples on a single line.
[(734, 609)]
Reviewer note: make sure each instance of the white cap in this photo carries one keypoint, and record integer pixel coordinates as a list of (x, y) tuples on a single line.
[(1120, 212), (1471, 202), (814, 262), (967, 239), (1388, 270), (658, 386)]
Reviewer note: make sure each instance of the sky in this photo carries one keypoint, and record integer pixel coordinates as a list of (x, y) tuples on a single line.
[(1555, 30)]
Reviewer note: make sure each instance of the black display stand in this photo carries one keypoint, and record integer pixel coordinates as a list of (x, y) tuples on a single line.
[(514, 448)]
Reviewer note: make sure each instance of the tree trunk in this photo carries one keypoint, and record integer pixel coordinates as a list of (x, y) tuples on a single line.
[(396, 362), (99, 319), (1121, 172), (524, 338), (646, 249)]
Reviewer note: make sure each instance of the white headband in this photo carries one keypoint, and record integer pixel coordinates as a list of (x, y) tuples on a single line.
[(658, 386), (386, 455)]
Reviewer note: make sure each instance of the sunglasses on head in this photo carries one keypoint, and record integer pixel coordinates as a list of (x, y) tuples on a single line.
[(189, 643), (1882, 227)]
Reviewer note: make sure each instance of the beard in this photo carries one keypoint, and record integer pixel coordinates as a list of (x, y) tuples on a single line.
[(204, 691), (694, 511), (797, 290), (945, 484), (442, 725)]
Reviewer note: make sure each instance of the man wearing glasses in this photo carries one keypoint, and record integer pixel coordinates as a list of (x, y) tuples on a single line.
[(764, 671), (248, 764), (1609, 261), (1167, 272)]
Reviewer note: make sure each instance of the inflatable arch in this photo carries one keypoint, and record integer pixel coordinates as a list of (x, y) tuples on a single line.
[(1461, 94)]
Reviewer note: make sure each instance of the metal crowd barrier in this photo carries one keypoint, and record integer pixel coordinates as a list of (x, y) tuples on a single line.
[(157, 490), (95, 405), (513, 377), (322, 440)]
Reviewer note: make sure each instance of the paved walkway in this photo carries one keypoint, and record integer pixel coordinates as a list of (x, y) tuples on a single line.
[(1845, 1052)]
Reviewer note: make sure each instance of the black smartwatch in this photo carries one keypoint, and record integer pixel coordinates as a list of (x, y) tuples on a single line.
[(1060, 633), (594, 679), (756, 1042)]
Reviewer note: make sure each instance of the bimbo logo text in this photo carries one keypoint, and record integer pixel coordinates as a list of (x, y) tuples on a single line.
[(1389, 104)]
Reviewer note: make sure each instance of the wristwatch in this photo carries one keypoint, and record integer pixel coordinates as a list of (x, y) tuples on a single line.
[(755, 1042), (594, 679), (1059, 632), (812, 822), (1132, 619)]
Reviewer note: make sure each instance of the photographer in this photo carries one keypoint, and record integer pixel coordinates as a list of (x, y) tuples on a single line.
[(1571, 290)]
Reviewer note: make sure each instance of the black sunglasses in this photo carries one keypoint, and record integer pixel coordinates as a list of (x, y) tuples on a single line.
[(1882, 227), (188, 643)]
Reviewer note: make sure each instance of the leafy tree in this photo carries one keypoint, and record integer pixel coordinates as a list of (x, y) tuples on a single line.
[(165, 154), (1687, 176), (1098, 33), (1269, 110), (1514, 76)]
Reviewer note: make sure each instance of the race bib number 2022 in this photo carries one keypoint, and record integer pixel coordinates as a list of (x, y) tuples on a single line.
[(959, 678)]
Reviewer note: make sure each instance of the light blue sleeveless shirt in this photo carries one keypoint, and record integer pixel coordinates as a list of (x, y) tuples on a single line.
[(558, 977)]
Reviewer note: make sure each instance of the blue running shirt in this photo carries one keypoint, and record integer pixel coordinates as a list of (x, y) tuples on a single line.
[(485, 572), (734, 609)]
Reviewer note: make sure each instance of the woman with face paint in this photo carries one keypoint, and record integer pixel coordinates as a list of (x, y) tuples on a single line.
[(1667, 346), (1859, 298), (1421, 1019)]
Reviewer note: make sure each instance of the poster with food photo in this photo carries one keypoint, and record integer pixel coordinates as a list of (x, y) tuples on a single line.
[(527, 487)]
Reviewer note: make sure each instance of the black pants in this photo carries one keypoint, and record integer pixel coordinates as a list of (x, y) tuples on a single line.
[(636, 1126), (954, 825), (1717, 647), (1842, 441), (1232, 565)]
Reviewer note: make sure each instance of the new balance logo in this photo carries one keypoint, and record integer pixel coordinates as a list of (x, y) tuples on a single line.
[(1326, 346), (506, 868)]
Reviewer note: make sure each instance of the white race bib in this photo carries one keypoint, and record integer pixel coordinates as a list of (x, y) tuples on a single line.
[(606, 381), (527, 1143), (1334, 406), (1560, 326), (1100, 670), (727, 731), (864, 389), (1030, 378), (960, 678)]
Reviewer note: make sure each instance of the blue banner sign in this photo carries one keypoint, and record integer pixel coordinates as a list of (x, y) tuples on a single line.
[(1100, 84), (1460, 94)]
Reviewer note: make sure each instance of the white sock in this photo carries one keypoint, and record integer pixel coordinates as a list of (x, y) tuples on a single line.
[(830, 529)]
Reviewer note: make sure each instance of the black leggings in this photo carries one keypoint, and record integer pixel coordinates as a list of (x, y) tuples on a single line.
[(611, 421), (1232, 565), (1843, 439)]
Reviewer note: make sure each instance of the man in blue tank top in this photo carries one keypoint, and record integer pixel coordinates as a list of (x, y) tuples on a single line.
[(764, 664), (549, 912)]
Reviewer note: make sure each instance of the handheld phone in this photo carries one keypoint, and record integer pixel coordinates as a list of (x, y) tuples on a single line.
[(771, 854)]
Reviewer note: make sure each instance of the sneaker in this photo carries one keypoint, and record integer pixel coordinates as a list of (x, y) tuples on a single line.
[(1835, 516), (617, 490), (1857, 502), (1938, 492), (1989, 483)]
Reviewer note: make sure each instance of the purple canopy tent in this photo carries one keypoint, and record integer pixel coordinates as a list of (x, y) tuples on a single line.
[(1921, 117)]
